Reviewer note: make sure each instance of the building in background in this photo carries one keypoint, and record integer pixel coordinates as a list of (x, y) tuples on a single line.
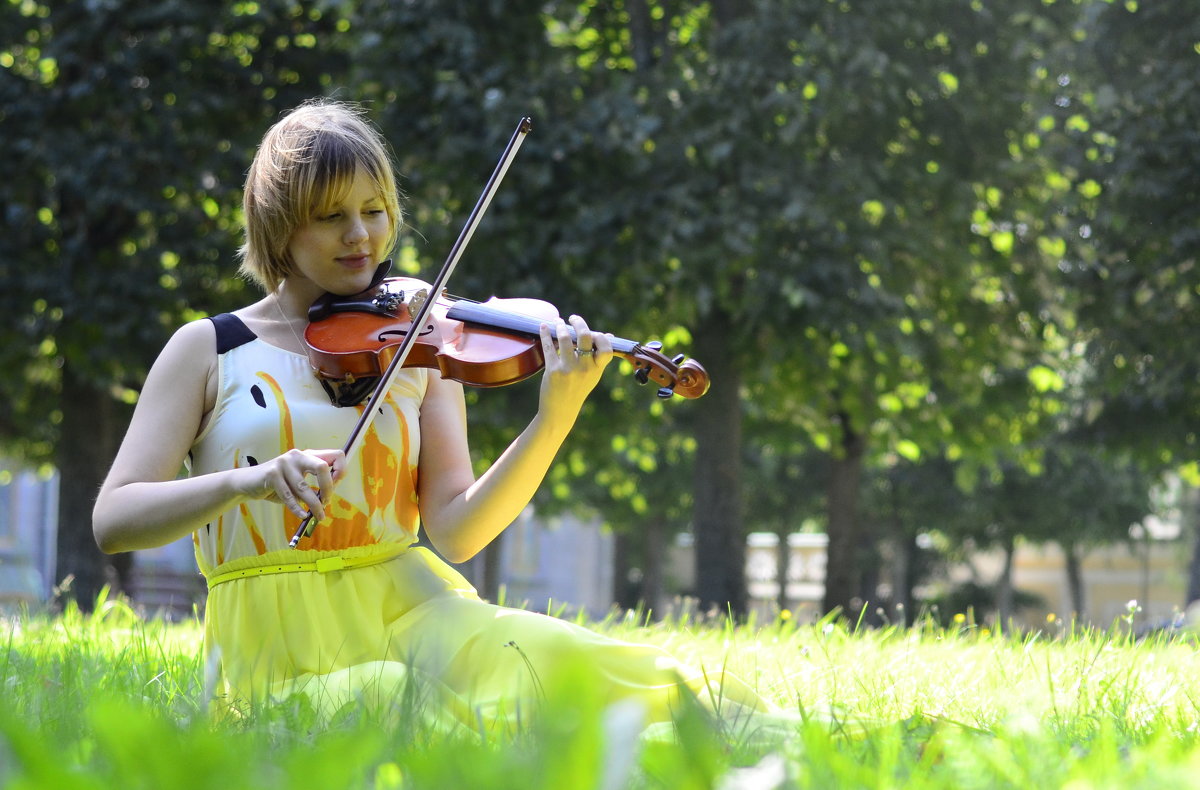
[(28, 511), (1149, 572)]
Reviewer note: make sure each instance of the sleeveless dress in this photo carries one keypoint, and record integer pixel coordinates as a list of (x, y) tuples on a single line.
[(358, 610)]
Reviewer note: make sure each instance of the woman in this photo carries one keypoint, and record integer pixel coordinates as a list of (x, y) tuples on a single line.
[(356, 605)]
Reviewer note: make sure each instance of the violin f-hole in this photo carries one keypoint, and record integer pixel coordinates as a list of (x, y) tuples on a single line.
[(383, 336)]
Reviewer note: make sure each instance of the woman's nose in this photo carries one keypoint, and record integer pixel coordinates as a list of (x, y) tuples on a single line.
[(357, 231)]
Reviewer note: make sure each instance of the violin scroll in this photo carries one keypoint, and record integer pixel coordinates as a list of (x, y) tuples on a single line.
[(675, 376)]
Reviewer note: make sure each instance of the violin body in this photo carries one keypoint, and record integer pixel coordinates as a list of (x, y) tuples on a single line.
[(357, 343), (481, 344)]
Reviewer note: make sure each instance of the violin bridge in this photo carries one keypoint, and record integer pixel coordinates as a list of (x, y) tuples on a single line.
[(418, 299)]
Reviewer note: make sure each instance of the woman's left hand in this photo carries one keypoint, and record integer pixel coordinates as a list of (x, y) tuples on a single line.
[(573, 367)]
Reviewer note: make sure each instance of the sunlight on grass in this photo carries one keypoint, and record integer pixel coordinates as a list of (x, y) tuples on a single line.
[(114, 700)]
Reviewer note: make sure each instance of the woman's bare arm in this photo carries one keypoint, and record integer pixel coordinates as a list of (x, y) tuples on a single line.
[(461, 515), (142, 504)]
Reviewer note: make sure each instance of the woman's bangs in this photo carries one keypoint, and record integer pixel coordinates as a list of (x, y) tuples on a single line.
[(333, 164)]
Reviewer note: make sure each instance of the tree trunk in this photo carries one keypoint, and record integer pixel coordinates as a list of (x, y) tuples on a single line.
[(783, 563), (904, 563), (841, 566), (1004, 586), (624, 591), (91, 428), (869, 563), (641, 37), (717, 524), (906, 571), (653, 584), (489, 577), (1074, 578)]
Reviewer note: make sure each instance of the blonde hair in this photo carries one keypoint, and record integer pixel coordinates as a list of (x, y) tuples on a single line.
[(304, 161)]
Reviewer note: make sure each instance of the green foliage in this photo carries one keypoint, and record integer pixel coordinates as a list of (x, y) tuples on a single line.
[(131, 125), (815, 176), (1134, 150)]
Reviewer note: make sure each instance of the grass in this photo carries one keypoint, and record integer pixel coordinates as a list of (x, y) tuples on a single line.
[(114, 700)]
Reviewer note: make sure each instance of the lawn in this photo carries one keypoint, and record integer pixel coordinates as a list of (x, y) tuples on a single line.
[(113, 700)]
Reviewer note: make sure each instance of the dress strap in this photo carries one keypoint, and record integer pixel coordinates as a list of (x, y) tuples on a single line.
[(231, 332)]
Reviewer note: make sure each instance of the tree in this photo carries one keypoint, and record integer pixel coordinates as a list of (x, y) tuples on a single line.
[(1130, 128), (837, 207), (129, 125)]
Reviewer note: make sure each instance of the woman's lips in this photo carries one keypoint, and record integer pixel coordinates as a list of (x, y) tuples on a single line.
[(354, 261)]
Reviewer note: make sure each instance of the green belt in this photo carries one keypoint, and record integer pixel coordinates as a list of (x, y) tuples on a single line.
[(323, 565)]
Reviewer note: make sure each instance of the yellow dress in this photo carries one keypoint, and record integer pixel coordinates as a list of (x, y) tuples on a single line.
[(358, 609)]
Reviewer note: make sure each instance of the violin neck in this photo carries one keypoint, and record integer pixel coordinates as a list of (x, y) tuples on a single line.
[(481, 315)]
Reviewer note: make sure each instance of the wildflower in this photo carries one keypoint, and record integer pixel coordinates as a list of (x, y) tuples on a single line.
[(785, 614), (1050, 618), (388, 776), (960, 618)]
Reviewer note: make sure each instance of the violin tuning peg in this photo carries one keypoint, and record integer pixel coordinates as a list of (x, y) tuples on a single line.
[(642, 375), (666, 392), (678, 359), (654, 345)]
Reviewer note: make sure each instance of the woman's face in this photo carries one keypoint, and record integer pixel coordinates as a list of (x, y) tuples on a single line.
[(340, 246)]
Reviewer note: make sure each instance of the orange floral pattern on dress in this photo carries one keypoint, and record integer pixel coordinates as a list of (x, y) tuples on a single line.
[(380, 471), (247, 517), (407, 512), (345, 525), (220, 538)]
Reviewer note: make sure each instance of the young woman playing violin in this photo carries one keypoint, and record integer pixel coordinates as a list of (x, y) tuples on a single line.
[(357, 604)]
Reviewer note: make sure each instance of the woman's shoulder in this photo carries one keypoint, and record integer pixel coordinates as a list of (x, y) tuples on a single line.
[(187, 360), (195, 338), (191, 349), (211, 336)]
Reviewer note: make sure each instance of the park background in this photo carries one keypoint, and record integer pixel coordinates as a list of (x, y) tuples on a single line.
[(939, 259)]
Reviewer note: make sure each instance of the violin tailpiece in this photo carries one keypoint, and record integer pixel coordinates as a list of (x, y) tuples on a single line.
[(348, 393)]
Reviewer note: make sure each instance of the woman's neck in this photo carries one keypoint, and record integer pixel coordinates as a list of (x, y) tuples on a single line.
[(293, 297)]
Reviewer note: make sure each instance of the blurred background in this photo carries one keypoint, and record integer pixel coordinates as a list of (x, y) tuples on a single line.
[(938, 258)]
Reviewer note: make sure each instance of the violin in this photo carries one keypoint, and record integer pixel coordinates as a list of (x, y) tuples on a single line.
[(352, 339)]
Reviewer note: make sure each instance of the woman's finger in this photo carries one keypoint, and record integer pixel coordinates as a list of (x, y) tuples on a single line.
[(289, 495), (566, 346), (335, 460), (311, 498), (549, 352), (583, 335)]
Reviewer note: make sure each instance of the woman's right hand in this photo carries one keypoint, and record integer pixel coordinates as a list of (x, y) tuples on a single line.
[(285, 479), (144, 502)]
